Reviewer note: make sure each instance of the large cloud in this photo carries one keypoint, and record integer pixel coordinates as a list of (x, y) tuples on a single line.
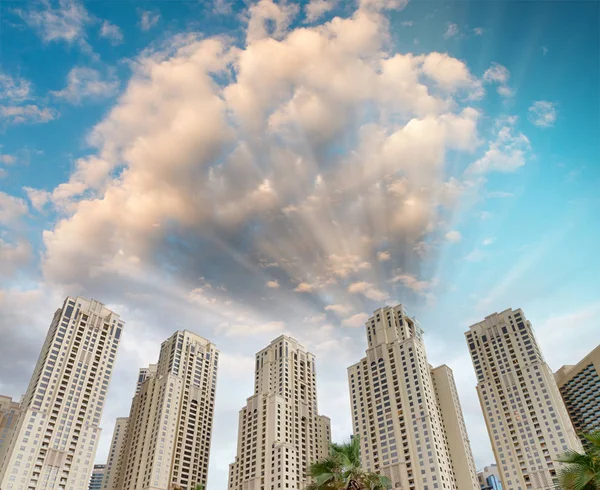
[(291, 184)]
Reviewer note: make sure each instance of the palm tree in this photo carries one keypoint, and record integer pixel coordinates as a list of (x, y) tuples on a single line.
[(582, 470), (341, 470)]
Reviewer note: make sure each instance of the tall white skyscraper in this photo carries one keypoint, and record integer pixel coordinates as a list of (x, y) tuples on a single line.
[(525, 415), (111, 470), (406, 414), (280, 431), (167, 440), (54, 443)]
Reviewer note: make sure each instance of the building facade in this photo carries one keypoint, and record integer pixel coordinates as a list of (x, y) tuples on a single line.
[(406, 414), (54, 443), (526, 419), (169, 428), (579, 386), (280, 431), (97, 477), (9, 414), (489, 478), (111, 470)]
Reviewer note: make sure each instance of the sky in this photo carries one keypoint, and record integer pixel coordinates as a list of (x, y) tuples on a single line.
[(243, 170)]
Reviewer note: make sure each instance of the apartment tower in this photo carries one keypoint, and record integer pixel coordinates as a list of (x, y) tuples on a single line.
[(9, 415), (54, 443), (407, 414), (579, 386), (280, 431), (97, 477), (524, 413), (116, 444), (168, 432)]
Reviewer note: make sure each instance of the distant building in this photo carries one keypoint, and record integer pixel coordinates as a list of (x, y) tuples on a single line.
[(54, 443), (489, 478), (280, 431), (526, 418), (169, 428), (406, 413), (9, 414), (579, 386), (97, 476), (111, 471)]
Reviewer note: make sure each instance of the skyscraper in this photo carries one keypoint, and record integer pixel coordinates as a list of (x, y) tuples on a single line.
[(167, 441), (280, 431), (116, 444), (9, 415), (97, 476), (579, 386), (406, 413), (54, 443), (489, 478), (524, 413)]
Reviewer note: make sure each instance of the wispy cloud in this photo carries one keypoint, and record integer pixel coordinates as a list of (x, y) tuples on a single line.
[(506, 154), (111, 32), (87, 83), (148, 19), (453, 236), (356, 321), (499, 74), (543, 113), (452, 31), (26, 114), (368, 290), (315, 9), (66, 21)]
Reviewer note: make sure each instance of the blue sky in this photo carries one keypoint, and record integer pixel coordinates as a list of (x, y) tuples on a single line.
[(247, 169)]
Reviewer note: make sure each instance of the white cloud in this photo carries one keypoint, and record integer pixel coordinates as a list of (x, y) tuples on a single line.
[(339, 309), (475, 255), (111, 32), (500, 75), (13, 257), (273, 284), (407, 23), (478, 31), (304, 287), (452, 31), (496, 73), (269, 19), (315, 9), (66, 23), (356, 321), (368, 290), (148, 19), (248, 330), (488, 241), (12, 209), (87, 83), (14, 89), (26, 114), (38, 198), (383, 256), (543, 113), (411, 282), (544, 50), (453, 236), (506, 154), (7, 159)]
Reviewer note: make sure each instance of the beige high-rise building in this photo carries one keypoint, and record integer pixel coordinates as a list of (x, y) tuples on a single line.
[(111, 470), (9, 415), (280, 431), (54, 443), (167, 441), (579, 386), (527, 421), (407, 414)]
